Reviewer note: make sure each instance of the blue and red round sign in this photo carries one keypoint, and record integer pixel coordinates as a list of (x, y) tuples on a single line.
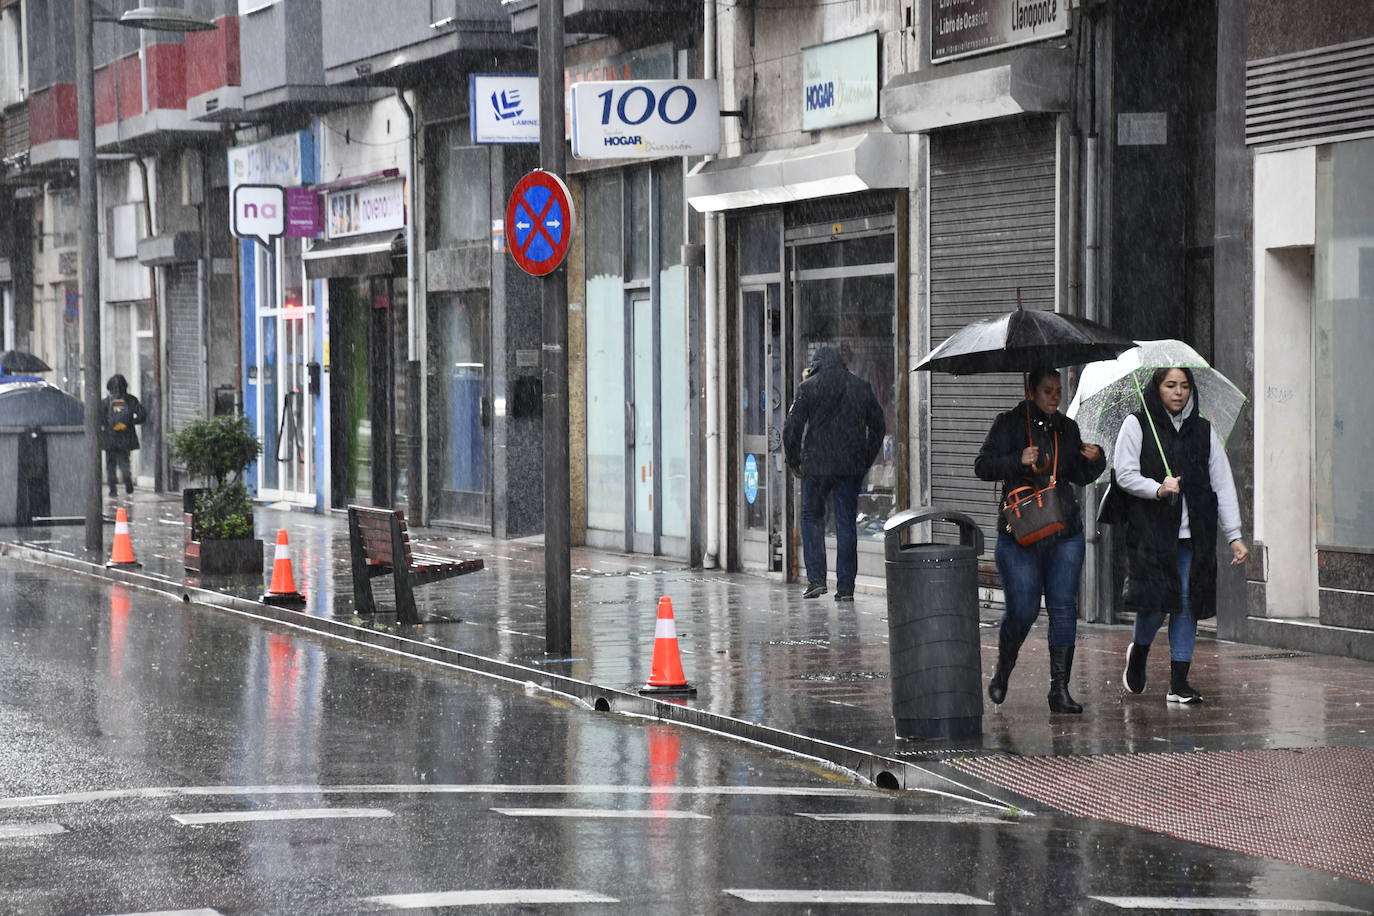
[(539, 222)]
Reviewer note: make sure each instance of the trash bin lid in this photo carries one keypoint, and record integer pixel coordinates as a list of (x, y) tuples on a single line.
[(930, 553), (38, 404)]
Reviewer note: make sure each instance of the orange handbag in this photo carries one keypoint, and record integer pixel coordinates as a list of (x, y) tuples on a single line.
[(1031, 515)]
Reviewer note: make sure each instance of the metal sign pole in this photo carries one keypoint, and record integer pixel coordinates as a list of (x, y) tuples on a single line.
[(89, 267), (557, 486)]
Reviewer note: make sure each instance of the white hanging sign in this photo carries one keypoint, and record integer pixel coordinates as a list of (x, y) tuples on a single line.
[(645, 119)]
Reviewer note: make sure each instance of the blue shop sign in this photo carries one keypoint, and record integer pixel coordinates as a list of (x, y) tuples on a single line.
[(751, 479)]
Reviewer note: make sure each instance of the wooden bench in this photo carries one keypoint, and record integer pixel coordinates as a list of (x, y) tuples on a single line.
[(380, 546)]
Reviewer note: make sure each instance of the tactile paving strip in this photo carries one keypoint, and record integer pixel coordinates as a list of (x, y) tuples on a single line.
[(1312, 807)]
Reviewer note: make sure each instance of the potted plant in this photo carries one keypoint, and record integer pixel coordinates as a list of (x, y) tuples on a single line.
[(218, 518)]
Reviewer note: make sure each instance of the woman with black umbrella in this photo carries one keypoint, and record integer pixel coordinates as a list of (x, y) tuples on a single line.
[(1034, 445)]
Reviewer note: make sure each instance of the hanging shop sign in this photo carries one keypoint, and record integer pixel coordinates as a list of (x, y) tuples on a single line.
[(368, 208), (960, 28), (259, 212), (304, 218), (840, 82), (285, 160), (539, 222), (504, 107), (645, 119)]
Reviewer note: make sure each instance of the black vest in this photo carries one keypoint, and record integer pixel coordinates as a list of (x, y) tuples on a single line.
[(1152, 582)]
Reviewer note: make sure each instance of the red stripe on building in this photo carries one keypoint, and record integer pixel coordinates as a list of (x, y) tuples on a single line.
[(212, 58)]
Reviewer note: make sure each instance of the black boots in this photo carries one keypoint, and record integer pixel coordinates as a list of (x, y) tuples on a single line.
[(1006, 660), (1133, 678), (1179, 689), (1061, 667)]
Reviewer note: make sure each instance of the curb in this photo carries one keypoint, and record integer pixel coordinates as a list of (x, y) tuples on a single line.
[(861, 766)]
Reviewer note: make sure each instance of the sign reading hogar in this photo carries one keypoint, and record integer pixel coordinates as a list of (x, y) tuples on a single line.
[(370, 208), (645, 119), (840, 82)]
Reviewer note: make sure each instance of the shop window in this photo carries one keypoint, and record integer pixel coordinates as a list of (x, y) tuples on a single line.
[(457, 188), (1343, 326)]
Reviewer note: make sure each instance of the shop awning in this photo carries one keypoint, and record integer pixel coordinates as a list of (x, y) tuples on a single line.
[(979, 88), (355, 256), (859, 163)]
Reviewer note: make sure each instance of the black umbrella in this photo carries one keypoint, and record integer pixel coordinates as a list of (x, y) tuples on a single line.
[(1021, 340), (16, 361)]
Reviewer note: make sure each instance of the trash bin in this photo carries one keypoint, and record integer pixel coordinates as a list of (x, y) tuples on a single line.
[(932, 621), (42, 455)]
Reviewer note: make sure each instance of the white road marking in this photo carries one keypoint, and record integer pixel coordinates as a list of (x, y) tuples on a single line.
[(18, 831), (514, 897), (283, 814), (920, 818), (600, 812), (200, 912), (1246, 904), (908, 898), (99, 795)]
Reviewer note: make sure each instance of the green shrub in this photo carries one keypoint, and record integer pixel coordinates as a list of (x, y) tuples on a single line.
[(225, 512), (219, 448)]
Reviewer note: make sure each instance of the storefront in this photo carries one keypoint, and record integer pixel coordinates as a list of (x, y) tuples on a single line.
[(283, 342), (637, 357), (824, 271)]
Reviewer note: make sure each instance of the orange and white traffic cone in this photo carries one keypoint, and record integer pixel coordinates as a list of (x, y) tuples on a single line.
[(282, 592), (666, 676), (122, 550)]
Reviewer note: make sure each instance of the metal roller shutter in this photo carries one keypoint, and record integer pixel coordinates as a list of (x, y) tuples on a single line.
[(185, 347), (992, 232)]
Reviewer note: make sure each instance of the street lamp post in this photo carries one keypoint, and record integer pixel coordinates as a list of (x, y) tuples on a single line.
[(88, 275)]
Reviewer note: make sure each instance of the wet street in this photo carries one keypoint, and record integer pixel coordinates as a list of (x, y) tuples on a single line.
[(158, 756)]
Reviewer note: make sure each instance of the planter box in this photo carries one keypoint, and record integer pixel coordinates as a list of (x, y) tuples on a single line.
[(214, 556)]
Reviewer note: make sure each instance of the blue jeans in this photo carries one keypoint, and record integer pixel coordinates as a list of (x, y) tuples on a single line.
[(1050, 568), (843, 495), (1182, 623)]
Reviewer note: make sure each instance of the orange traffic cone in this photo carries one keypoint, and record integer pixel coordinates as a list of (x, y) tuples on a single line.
[(122, 550), (282, 592), (667, 676)]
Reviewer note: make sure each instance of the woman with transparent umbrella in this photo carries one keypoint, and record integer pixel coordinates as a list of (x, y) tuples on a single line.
[(1176, 487)]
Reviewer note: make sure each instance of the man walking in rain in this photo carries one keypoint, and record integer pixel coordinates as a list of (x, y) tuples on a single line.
[(120, 412), (832, 435)]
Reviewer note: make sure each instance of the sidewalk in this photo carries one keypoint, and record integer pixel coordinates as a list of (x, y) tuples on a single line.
[(811, 677)]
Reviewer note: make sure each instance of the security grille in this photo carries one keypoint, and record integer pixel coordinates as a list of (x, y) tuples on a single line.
[(992, 234), (1310, 97), (185, 347)]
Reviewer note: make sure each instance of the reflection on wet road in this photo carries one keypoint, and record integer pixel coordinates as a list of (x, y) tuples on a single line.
[(161, 757)]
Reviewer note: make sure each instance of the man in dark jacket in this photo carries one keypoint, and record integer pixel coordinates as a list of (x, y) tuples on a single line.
[(120, 412), (832, 434)]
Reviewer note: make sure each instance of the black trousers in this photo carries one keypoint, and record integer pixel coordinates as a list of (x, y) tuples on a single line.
[(118, 460)]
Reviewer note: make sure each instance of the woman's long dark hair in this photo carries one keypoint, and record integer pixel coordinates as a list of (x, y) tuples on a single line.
[(1155, 403)]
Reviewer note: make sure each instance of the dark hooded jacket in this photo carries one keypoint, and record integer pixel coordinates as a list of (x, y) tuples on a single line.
[(836, 425), (1012, 431), (119, 440), (1152, 582)]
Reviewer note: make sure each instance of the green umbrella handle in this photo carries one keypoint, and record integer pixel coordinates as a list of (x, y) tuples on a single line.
[(1135, 378)]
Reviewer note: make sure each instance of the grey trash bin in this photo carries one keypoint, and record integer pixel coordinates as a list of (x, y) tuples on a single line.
[(932, 621), (43, 470)]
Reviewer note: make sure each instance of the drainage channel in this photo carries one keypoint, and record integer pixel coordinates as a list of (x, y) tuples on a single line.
[(859, 765)]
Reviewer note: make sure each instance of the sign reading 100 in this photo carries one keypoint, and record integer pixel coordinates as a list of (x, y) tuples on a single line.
[(645, 118), (641, 97)]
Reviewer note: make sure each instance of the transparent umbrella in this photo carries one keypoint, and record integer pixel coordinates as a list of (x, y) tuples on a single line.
[(1111, 390)]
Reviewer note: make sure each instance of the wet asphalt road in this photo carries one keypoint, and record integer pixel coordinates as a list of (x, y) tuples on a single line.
[(155, 756)]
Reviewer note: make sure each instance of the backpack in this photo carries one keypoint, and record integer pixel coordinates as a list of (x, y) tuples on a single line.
[(120, 414)]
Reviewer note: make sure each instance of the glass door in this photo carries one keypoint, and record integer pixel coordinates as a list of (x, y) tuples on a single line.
[(460, 407), (641, 415), (288, 380), (762, 494)]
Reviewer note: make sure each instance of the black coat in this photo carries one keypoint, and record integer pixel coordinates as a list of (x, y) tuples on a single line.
[(1152, 582), (835, 426), (1000, 457), (119, 440)]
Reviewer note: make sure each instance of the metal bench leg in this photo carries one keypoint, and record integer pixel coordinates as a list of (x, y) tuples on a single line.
[(406, 612)]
